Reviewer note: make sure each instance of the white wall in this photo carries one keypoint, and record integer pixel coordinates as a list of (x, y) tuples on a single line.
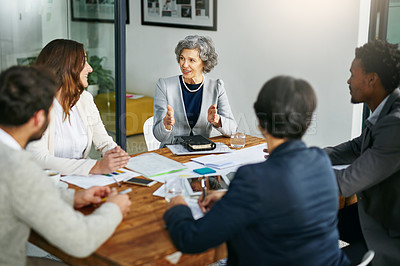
[(363, 31), (256, 40), (393, 30)]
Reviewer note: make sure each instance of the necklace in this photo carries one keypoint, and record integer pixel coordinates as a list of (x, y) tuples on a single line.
[(189, 90)]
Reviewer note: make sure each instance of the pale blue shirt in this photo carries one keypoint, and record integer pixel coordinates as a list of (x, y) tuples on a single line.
[(375, 114)]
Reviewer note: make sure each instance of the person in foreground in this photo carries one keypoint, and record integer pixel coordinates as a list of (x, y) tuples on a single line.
[(28, 198), (279, 212), (192, 103), (374, 157), (75, 122)]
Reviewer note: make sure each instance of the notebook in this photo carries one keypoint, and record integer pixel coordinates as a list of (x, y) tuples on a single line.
[(195, 143)]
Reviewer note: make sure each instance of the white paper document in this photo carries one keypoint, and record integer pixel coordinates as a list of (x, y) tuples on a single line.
[(254, 154), (152, 164), (194, 208), (215, 161), (178, 149), (343, 244), (134, 96), (160, 192), (99, 180), (192, 202), (183, 173), (340, 167)]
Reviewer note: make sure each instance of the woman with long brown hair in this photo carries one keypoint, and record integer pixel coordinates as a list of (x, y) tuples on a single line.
[(75, 122)]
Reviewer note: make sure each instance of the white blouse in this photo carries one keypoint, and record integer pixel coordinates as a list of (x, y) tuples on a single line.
[(71, 138)]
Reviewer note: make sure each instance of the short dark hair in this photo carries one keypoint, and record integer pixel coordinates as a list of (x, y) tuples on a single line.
[(284, 107), (382, 58), (24, 91)]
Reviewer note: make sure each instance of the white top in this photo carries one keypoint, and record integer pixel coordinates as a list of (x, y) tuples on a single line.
[(9, 141), (43, 149), (71, 138)]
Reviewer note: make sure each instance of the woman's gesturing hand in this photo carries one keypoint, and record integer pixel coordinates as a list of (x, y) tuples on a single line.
[(169, 119), (213, 116)]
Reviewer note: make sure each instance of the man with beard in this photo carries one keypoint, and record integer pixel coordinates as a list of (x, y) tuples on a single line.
[(374, 157), (28, 198)]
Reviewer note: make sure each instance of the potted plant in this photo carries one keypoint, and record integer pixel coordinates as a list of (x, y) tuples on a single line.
[(101, 77)]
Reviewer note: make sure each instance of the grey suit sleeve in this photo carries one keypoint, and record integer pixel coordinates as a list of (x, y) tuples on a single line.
[(160, 110), (346, 152), (377, 163), (228, 122), (39, 204)]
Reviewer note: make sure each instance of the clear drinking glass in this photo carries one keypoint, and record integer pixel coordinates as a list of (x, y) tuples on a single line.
[(238, 140), (173, 187)]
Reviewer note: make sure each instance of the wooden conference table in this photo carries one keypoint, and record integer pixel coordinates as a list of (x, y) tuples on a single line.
[(141, 238)]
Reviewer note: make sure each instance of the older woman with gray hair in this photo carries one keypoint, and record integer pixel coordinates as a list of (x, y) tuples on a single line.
[(192, 103)]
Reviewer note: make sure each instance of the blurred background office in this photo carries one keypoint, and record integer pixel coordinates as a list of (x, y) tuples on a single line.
[(257, 39)]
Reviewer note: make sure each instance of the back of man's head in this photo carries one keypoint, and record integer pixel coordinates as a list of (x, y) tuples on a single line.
[(382, 58), (24, 91)]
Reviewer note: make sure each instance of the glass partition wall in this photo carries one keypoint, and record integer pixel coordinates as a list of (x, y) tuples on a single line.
[(26, 26), (98, 39), (393, 23), (384, 25)]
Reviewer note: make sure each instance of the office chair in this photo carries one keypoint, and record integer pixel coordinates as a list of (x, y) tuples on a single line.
[(151, 142), (367, 258)]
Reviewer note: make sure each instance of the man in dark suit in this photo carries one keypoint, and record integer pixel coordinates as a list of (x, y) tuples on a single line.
[(374, 157), (282, 211)]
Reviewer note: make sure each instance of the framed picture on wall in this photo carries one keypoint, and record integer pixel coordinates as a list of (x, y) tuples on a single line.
[(192, 14), (95, 10)]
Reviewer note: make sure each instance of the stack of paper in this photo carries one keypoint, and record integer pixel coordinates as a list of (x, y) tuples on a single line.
[(152, 164), (192, 202), (253, 154), (215, 161), (98, 180)]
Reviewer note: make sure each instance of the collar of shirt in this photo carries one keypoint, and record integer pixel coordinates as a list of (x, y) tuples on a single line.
[(9, 141), (375, 114)]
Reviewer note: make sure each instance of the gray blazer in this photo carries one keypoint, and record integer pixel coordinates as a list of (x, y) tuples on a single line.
[(29, 199), (168, 91), (374, 174)]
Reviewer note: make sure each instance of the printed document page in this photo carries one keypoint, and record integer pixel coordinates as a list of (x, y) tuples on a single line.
[(153, 164), (99, 180), (254, 154)]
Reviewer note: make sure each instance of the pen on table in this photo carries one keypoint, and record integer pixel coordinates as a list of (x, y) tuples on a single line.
[(121, 192), (115, 180), (112, 176)]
